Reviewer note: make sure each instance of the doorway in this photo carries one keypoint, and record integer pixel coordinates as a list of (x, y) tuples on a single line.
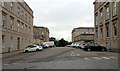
[(18, 43)]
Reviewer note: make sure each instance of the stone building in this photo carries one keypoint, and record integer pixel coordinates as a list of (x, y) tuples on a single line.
[(107, 24), (41, 34), (17, 26), (82, 34)]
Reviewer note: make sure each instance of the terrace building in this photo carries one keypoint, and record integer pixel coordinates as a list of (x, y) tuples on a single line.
[(17, 25), (41, 34), (107, 24), (82, 34)]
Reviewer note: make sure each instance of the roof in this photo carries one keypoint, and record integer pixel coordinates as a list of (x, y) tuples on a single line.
[(39, 27), (85, 28)]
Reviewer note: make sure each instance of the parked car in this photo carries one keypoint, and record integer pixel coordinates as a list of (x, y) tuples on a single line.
[(94, 47), (44, 46), (82, 46), (49, 44), (32, 48), (78, 45), (74, 45)]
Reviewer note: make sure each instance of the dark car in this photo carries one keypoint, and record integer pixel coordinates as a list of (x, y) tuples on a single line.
[(94, 47)]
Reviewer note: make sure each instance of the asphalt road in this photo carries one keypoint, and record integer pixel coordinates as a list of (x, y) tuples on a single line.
[(62, 58)]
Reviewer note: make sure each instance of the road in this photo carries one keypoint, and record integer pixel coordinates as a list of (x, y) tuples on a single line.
[(62, 58)]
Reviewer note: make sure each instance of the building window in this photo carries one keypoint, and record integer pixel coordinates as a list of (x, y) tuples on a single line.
[(18, 12), (101, 33), (114, 8), (101, 1), (96, 19), (11, 23), (96, 34), (26, 17), (3, 3), (18, 27), (43, 33), (114, 30), (11, 42), (29, 19), (101, 16), (3, 20), (22, 27), (22, 14), (26, 28), (29, 29), (3, 41), (11, 7), (107, 31), (107, 12)]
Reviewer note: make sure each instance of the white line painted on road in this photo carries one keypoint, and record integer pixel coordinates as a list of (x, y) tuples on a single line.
[(105, 58), (6, 64), (86, 58), (96, 58), (78, 54)]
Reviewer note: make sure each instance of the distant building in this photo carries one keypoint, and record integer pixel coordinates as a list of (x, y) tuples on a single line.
[(107, 24), (17, 25), (41, 34), (82, 34)]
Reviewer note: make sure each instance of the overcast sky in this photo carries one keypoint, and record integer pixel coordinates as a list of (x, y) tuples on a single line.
[(61, 16)]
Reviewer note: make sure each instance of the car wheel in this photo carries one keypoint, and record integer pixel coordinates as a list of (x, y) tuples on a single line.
[(89, 49), (37, 49), (26, 51), (103, 49)]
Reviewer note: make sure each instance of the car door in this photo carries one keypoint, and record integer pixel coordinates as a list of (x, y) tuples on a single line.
[(92, 47), (32, 48), (97, 47)]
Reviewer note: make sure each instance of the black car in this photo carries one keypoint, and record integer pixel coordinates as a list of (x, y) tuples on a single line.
[(94, 47)]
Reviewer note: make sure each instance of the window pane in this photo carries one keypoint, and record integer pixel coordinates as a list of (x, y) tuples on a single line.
[(114, 30), (3, 41)]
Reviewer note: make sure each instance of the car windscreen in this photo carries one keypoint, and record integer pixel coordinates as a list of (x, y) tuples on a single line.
[(30, 46)]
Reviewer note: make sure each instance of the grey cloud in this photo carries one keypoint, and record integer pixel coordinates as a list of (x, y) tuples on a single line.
[(61, 16)]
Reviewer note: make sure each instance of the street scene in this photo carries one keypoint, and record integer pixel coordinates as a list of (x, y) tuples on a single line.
[(59, 34), (62, 58)]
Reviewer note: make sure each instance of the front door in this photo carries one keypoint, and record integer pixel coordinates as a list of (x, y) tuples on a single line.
[(18, 43)]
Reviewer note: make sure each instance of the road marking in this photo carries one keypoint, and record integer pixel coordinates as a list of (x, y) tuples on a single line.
[(105, 57), (6, 64), (78, 54), (86, 58), (114, 57), (96, 58)]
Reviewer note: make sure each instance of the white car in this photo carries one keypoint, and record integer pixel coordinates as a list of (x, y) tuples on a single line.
[(33, 48), (78, 45)]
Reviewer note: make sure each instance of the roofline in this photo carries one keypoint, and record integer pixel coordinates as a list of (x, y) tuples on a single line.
[(39, 27), (85, 28)]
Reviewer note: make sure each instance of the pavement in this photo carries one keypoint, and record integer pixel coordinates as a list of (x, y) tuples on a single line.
[(61, 58), (6, 55)]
